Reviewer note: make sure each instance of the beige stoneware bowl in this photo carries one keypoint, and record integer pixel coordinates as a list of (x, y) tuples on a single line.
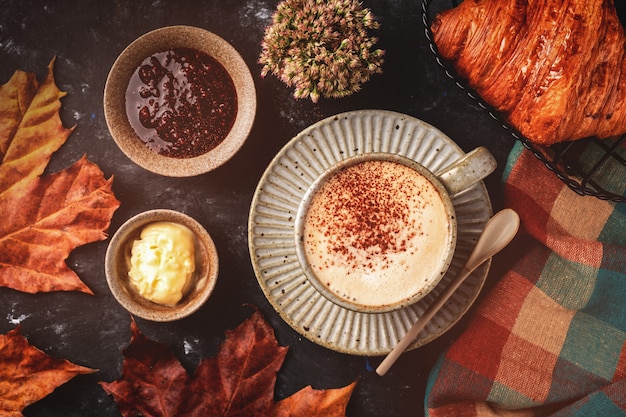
[(117, 266), (164, 39)]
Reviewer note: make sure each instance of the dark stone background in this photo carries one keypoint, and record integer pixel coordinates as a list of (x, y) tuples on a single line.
[(85, 37)]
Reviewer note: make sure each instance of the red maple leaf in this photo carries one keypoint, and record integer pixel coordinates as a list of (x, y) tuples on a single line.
[(238, 382)]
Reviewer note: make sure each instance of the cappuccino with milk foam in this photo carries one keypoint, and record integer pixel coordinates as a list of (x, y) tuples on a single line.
[(376, 233)]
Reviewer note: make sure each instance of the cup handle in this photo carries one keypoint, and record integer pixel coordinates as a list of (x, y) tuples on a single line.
[(467, 170)]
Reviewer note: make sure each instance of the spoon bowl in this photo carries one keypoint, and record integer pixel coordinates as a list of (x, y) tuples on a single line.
[(498, 232)]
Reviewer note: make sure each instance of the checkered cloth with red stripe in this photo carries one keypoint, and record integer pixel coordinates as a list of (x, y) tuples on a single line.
[(550, 338)]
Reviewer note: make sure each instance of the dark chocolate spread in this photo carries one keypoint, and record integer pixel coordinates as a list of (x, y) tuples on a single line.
[(181, 103)]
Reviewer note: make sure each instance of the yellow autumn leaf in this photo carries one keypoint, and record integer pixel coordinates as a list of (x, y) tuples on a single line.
[(30, 127), (45, 218)]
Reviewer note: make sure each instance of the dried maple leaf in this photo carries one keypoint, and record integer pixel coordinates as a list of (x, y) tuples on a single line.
[(310, 402), (238, 381), (45, 217), (30, 127), (27, 374)]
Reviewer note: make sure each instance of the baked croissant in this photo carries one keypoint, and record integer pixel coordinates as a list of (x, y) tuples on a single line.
[(554, 69)]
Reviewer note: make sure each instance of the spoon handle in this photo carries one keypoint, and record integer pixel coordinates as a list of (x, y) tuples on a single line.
[(412, 333), (498, 232)]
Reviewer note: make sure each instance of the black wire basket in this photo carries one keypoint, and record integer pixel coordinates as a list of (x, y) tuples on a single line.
[(585, 176)]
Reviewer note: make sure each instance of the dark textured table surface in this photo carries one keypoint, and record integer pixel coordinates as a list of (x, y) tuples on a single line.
[(86, 37)]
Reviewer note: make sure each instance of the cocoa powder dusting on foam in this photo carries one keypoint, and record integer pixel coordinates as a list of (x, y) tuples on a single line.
[(371, 205)]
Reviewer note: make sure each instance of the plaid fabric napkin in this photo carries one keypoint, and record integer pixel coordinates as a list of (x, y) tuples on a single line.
[(550, 338)]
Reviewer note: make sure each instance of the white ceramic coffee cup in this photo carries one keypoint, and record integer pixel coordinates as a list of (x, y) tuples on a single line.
[(377, 232)]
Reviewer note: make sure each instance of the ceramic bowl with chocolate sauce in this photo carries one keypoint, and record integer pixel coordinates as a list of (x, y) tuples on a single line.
[(146, 257), (179, 101)]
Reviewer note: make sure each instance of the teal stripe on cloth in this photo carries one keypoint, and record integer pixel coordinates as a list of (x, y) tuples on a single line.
[(606, 176), (614, 232), (596, 405), (608, 299), (593, 345), (431, 381), (568, 283), (514, 154)]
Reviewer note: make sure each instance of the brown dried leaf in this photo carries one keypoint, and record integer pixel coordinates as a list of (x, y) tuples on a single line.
[(27, 374), (153, 381), (45, 217), (238, 381)]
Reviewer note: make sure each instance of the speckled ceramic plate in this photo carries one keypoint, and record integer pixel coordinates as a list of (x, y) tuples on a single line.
[(272, 235)]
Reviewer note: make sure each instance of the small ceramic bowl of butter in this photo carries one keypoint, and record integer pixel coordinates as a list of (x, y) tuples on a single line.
[(161, 265)]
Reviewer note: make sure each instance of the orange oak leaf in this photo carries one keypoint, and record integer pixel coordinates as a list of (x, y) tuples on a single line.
[(44, 218), (238, 381), (27, 374)]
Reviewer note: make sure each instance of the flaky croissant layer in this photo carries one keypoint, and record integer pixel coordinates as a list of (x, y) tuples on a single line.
[(554, 68)]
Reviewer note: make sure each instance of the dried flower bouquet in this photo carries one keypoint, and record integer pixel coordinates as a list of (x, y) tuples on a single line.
[(321, 47)]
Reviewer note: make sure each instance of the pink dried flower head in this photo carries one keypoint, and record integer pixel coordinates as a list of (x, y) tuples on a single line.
[(321, 47)]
